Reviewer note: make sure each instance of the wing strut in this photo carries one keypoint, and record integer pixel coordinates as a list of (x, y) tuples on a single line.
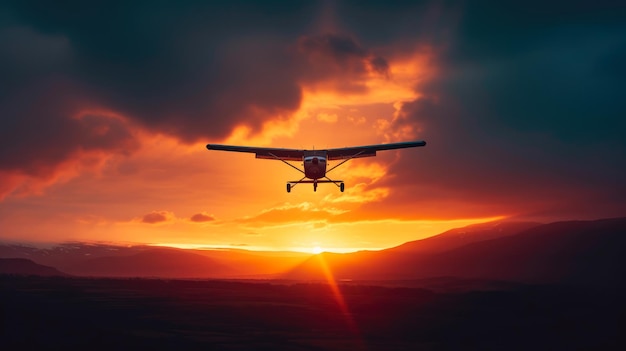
[(338, 183), (285, 162), (344, 161)]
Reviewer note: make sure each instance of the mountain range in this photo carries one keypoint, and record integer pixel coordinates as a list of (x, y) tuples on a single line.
[(570, 252), (562, 252), (23, 266)]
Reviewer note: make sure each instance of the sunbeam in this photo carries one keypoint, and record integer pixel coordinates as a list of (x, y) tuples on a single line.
[(340, 299)]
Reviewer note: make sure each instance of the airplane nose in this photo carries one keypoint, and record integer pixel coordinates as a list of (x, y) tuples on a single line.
[(315, 160)]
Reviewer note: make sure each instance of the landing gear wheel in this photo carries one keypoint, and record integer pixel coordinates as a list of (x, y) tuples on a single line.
[(314, 186), (288, 187), (341, 187)]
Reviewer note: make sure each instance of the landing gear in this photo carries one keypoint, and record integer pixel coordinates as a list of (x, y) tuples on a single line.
[(315, 182)]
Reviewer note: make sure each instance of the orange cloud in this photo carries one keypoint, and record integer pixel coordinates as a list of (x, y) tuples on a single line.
[(83, 144), (327, 117), (158, 217), (290, 213), (339, 62), (201, 218)]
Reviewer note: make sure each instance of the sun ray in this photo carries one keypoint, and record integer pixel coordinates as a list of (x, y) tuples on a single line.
[(339, 298)]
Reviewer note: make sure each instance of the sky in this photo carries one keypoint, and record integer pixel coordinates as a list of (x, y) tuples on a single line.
[(106, 108)]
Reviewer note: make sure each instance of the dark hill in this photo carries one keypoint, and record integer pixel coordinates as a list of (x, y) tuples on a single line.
[(22, 266), (399, 263), (67, 255), (92, 258), (158, 262), (574, 251), (459, 237)]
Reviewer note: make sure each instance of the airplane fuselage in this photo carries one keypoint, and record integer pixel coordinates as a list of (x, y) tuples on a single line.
[(315, 164)]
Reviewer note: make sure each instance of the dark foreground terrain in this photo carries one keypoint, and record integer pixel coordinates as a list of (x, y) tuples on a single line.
[(84, 313)]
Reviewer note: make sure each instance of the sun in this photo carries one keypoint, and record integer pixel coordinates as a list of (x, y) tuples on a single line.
[(316, 250)]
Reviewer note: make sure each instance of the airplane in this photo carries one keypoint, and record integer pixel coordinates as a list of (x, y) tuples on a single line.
[(315, 161)]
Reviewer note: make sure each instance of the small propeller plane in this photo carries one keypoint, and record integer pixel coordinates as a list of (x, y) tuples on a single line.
[(315, 161)]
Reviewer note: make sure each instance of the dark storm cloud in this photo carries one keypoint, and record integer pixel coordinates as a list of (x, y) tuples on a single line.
[(340, 59), (527, 114), (342, 49), (527, 100), (188, 69), (40, 129), (380, 65), (194, 70)]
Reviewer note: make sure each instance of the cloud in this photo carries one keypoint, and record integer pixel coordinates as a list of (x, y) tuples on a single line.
[(338, 61), (45, 126), (26, 53), (518, 123), (193, 71), (186, 69), (158, 217), (292, 213), (522, 106), (201, 218), (327, 117), (47, 133), (181, 71), (379, 65)]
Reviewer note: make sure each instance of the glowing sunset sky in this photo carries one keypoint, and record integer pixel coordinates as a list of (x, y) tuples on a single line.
[(106, 108)]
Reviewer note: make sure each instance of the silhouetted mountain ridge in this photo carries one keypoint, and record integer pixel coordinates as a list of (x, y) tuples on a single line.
[(459, 237), (90, 259), (572, 251), (155, 262), (22, 266), (66, 255)]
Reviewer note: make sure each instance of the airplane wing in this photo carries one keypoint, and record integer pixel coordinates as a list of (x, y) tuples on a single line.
[(262, 152), (369, 150), (332, 154)]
